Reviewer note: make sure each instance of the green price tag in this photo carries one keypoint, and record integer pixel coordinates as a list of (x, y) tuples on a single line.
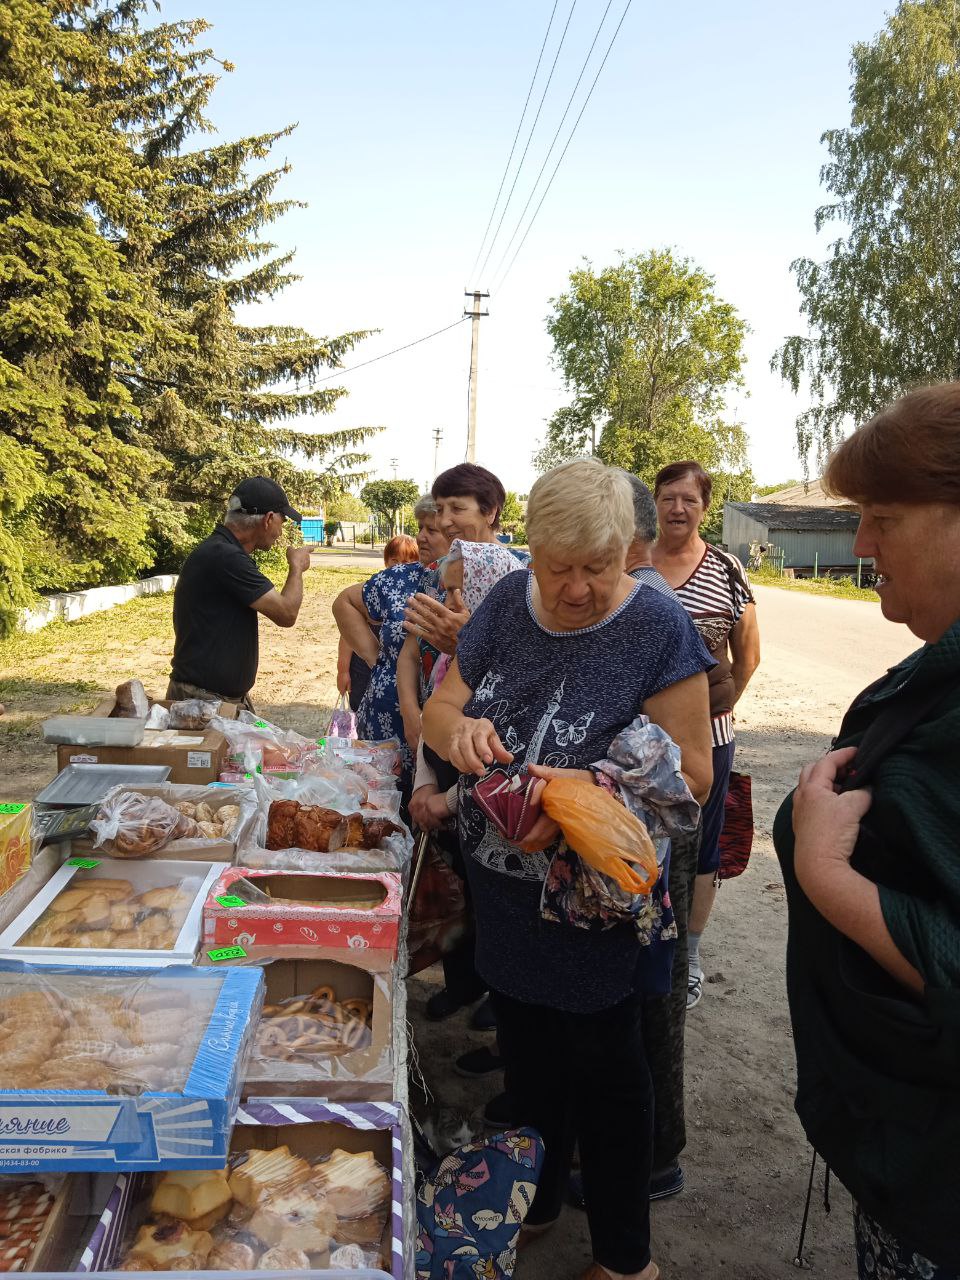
[(231, 900), (259, 724), (12, 808), (86, 863), (227, 953)]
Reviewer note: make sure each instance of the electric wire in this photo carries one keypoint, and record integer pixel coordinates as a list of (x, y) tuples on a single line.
[(533, 127), (523, 116), (556, 135), (406, 347), (546, 191)]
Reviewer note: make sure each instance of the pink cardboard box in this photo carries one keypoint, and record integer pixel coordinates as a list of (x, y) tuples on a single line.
[(295, 913)]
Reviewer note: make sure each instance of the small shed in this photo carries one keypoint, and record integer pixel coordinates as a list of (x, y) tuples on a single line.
[(808, 536)]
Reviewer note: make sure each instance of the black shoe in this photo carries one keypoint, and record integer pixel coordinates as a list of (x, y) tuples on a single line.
[(478, 1063), (484, 1019), (443, 1005), (500, 1113)]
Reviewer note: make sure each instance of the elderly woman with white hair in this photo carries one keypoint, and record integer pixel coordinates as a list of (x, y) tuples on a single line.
[(549, 670)]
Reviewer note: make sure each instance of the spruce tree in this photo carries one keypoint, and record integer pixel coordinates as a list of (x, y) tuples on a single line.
[(219, 399), (72, 317)]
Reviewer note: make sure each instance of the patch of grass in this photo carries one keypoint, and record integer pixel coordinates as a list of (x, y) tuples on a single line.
[(841, 588)]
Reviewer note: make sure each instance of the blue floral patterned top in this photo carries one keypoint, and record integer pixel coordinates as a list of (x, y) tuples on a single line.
[(385, 597)]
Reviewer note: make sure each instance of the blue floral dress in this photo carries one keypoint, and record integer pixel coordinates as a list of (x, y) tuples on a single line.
[(385, 597)]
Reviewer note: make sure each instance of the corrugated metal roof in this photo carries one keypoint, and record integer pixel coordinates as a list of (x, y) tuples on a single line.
[(779, 516)]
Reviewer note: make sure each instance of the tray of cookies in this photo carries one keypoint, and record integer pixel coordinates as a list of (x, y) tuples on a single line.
[(306, 1187), (288, 913), (121, 1068), (325, 1029), (103, 911), (34, 1222)]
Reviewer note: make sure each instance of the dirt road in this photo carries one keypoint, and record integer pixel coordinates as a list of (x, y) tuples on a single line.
[(746, 1161)]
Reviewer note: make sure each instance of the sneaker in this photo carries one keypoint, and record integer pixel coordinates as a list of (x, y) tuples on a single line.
[(669, 1183), (500, 1113), (443, 1005), (484, 1019), (478, 1063), (694, 987)]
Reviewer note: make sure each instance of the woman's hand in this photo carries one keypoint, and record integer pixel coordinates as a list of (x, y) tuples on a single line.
[(428, 807), (438, 624), (343, 682), (474, 745), (545, 831), (826, 824)]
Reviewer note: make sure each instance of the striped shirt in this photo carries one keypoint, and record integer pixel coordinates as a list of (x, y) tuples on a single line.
[(715, 596)]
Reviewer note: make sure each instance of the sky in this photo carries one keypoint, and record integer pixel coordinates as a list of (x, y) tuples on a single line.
[(702, 135)]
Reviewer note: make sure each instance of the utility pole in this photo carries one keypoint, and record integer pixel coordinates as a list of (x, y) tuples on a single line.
[(475, 314), (437, 437), (393, 463)]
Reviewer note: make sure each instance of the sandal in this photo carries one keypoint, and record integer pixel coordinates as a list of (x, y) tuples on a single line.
[(694, 988)]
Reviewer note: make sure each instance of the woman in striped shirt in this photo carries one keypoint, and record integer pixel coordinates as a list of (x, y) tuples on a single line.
[(712, 586)]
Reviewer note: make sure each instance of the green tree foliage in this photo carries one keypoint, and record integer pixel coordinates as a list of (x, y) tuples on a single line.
[(881, 308), (512, 518), (132, 398), (71, 319), (347, 506), (219, 399), (389, 497), (650, 353)]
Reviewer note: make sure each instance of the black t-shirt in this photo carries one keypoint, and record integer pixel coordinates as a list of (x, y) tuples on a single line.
[(217, 635)]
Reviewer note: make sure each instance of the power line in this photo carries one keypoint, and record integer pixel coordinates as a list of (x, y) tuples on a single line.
[(546, 158), (406, 347), (513, 147), (513, 186), (566, 145)]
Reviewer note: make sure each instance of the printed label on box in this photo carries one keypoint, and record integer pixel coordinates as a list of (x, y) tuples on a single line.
[(50, 1124), (84, 759), (198, 759)]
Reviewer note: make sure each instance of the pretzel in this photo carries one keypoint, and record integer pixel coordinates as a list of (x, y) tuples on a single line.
[(324, 993), (360, 1009)]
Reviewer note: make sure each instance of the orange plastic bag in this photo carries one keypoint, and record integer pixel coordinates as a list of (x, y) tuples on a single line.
[(602, 832)]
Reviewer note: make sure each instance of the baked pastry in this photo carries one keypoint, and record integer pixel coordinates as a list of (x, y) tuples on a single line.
[(265, 1173), (283, 1259), (231, 1256), (204, 813), (354, 1183), (163, 1242), (300, 1218), (353, 838), (363, 1231), (186, 808), (166, 899), (131, 701), (200, 1197), (208, 831), (135, 1263), (190, 1262)]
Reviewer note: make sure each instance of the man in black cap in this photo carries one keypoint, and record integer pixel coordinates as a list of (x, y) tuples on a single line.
[(220, 591)]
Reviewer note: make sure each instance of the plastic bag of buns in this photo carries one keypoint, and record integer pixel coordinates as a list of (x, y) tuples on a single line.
[(131, 825), (131, 701), (192, 713)]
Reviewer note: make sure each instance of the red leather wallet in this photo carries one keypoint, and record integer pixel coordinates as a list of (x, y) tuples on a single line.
[(508, 803)]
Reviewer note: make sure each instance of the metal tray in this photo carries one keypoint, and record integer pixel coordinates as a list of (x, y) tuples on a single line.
[(80, 784)]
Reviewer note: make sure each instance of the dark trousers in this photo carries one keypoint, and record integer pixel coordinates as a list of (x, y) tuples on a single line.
[(583, 1078), (460, 975), (664, 1017)]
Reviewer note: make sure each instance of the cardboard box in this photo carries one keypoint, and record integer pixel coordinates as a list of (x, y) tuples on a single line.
[(296, 914), (311, 1130), (185, 1128), (191, 757), (143, 874), (191, 850), (358, 1074)]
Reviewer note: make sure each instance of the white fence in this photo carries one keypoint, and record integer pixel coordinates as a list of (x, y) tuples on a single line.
[(71, 605)]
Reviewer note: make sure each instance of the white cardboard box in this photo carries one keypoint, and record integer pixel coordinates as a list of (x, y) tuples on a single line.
[(143, 874)]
